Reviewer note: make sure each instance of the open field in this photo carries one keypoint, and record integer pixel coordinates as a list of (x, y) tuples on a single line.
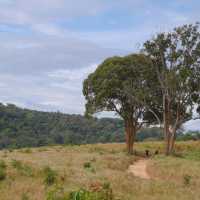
[(85, 166)]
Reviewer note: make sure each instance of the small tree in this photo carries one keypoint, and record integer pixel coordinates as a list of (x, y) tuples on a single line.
[(120, 84), (176, 61)]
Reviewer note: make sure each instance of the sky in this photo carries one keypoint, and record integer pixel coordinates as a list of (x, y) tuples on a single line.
[(48, 47)]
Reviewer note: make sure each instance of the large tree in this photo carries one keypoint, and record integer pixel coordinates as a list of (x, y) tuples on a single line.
[(176, 61), (120, 84)]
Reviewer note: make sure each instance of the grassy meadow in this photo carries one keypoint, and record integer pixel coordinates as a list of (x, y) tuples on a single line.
[(51, 172)]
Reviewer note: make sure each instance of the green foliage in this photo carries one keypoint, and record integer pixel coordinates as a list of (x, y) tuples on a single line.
[(87, 165), (26, 128), (187, 179), (75, 129), (25, 197), (2, 174), (50, 176), (2, 170), (3, 164), (96, 192), (24, 169), (175, 56), (27, 151), (57, 193), (103, 194), (120, 84), (16, 164)]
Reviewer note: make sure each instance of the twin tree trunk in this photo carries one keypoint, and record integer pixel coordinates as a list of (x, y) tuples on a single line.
[(169, 131), (130, 130)]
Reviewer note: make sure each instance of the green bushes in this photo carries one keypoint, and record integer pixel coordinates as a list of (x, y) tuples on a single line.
[(50, 176), (22, 168), (2, 174), (96, 192), (87, 165), (57, 193), (25, 197), (2, 170), (2, 164), (187, 179)]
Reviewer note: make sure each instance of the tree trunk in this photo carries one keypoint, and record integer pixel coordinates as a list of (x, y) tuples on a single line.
[(172, 141), (166, 120), (130, 135)]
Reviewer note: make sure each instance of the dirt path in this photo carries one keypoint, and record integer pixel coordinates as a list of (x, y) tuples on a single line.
[(139, 169)]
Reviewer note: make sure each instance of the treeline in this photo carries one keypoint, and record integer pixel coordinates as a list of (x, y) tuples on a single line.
[(158, 85), (27, 128)]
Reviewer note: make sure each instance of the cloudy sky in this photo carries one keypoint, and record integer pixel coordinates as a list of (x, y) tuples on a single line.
[(47, 47)]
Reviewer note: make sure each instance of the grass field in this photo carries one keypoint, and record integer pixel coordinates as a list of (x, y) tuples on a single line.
[(33, 174)]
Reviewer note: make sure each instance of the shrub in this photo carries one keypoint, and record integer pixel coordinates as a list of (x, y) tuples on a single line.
[(16, 164), (25, 197), (87, 165), (2, 170), (187, 179), (91, 195), (27, 150), (22, 168), (97, 191), (27, 170), (2, 164), (50, 176), (57, 193), (2, 174)]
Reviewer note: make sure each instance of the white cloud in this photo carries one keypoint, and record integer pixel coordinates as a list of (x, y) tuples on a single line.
[(192, 125), (43, 62)]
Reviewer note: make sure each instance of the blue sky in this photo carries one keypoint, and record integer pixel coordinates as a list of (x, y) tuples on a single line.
[(48, 47)]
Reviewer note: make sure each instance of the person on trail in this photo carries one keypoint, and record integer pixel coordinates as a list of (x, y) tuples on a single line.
[(147, 153)]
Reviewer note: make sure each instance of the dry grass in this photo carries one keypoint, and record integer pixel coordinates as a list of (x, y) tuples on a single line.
[(108, 163)]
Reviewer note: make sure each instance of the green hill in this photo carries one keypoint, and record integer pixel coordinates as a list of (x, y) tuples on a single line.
[(27, 128)]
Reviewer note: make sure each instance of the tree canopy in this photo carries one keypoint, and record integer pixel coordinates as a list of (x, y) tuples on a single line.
[(121, 84), (176, 61)]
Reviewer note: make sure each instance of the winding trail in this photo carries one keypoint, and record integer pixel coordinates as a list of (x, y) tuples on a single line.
[(139, 169)]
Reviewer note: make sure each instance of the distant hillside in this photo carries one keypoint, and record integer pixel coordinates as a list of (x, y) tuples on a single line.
[(23, 128), (28, 128)]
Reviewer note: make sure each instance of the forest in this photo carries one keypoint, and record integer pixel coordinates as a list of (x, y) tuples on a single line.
[(27, 128)]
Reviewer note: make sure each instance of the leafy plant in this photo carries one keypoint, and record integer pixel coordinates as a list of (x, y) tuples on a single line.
[(187, 179), (50, 176), (2, 174), (57, 193), (22, 168), (3, 164), (25, 197), (2, 170), (87, 165)]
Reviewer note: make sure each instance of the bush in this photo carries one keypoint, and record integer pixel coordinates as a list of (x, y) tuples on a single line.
[(2, 174), (57, 193), (16, 164), (2, 164), (25, 197), (87, 165), (187, 179), (2, 170), (26, 150), (50, 176), (97, 191), (22, 168)]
